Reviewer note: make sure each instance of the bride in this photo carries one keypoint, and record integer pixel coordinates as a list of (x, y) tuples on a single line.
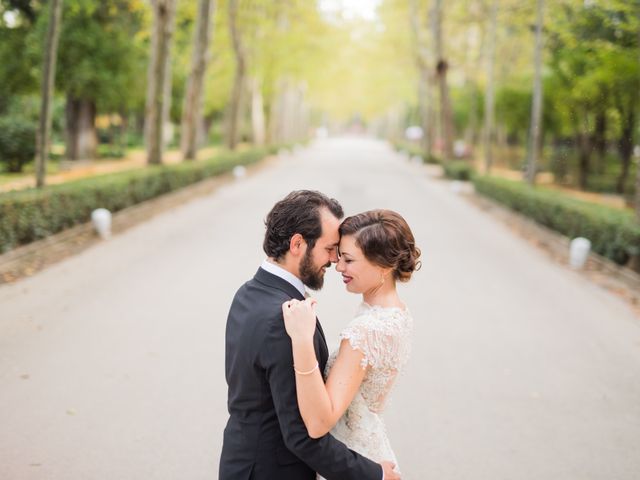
[(377, 249)]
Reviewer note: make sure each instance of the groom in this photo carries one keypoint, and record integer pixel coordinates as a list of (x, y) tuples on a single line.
[(265, 437)]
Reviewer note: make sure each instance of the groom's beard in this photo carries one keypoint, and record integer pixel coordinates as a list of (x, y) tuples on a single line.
[(312, 278)]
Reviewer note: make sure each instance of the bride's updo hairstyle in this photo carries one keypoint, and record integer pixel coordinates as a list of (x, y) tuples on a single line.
[(386, 240)]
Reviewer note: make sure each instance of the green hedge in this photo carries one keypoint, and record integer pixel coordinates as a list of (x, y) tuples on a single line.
[(415, 150), (458, 170), (613, 233), (17, 142), (29, 215)]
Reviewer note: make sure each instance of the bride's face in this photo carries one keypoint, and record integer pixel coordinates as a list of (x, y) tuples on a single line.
[(358, 273)]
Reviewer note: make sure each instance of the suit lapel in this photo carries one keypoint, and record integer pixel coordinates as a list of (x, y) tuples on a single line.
[(274, 281), (322, 350), (319, 328)]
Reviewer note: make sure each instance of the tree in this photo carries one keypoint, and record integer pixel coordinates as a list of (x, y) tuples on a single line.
[(258, 121), (637, 182), (593, 61), (442, 67), (536, 110), (423, 61), (285, 45), (18, 75), (628, 22), (489, 105), (48, 76), (159, 78), (192, 110), (235, 102), (623, 72), (100, 64)]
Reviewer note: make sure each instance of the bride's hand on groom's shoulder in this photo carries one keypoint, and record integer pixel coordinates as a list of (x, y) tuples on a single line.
[(300, 319)]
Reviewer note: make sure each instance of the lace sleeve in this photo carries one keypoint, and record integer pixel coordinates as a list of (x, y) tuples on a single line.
[(376, 340)]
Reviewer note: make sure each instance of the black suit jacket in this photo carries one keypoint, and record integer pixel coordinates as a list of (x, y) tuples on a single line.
[(265, 437)]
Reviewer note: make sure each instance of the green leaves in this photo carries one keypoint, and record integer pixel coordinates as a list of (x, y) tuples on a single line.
[(595, 57), (17, 142), (100, 55)]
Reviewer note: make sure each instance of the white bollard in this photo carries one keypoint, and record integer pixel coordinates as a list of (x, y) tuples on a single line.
[(239, 172), (283, 153), (456, 186), (414, 133), (101, 218), (579, 252), (322, 132), (459, 148)]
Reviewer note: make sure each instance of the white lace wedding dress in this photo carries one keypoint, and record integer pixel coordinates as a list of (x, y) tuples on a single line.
[(384, 337)]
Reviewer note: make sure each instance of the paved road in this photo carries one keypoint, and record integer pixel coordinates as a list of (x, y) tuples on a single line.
[(111, 363)]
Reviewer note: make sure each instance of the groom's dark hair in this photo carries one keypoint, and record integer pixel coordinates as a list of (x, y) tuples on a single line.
[(298, 212)]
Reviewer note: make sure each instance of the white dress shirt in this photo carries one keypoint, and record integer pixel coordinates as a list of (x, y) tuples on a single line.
[(286, 275)]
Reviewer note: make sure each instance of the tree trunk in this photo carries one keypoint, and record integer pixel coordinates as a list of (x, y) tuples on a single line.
[(472, 132), (489, 99), (637, 182), (192, 111), (426, 113), (235, 103), (285, 113), (625, 148), (275, 133), (159, 78), (123, 131), (257, 114), (424, 82), (207, 123), (584, 148), (600, 140), (442, 66), (139, 124), (299, 114), (81, 135), (536, 108), (48, 76)]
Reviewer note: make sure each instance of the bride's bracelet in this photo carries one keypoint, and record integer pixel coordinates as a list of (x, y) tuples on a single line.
[(306, 373)]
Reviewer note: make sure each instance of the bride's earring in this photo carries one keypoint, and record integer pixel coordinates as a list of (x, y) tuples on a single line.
[(379, 286)]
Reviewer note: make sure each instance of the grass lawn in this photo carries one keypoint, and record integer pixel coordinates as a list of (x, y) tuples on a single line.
[(27, 172), (135, 157)]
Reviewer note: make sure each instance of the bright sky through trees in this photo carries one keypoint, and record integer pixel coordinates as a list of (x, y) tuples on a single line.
[(350, 9)]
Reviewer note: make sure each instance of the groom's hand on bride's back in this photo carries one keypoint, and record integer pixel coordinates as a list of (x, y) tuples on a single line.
[(388, 471)]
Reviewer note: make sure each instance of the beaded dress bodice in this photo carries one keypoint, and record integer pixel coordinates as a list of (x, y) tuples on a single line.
[(383, 335)]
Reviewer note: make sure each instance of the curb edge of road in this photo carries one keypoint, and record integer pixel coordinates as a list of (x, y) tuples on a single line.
[(620, 280), (27, 260)]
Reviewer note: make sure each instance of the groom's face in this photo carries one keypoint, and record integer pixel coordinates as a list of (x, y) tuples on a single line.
[(315, 261)]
